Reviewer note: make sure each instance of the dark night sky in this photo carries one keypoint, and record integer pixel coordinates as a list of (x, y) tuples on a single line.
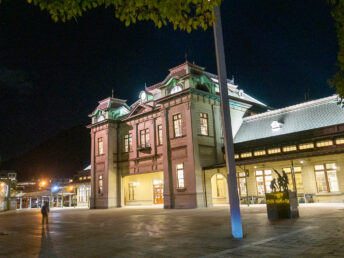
[(53, 74)]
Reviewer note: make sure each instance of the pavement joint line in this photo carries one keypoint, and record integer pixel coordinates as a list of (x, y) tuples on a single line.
[(231, 250)]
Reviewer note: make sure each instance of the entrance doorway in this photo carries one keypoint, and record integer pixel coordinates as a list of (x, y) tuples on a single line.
[(158, 191), (219, 189)]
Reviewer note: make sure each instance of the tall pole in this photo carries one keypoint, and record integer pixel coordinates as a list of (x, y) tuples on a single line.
[(227, 127)]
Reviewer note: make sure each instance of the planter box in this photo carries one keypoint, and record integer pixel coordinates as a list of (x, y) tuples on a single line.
[(282, 205)]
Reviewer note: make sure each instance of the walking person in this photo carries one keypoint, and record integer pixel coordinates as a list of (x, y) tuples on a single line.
[(45, 210)]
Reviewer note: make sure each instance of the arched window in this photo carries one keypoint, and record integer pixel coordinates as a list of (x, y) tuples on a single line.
[(202, 87), (176, 89)]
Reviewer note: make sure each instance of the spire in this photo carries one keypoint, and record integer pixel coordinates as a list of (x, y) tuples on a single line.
[(186, 57), (112, 93)]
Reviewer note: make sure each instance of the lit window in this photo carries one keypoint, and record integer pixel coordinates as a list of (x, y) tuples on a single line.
[(305, 146), (326, 177), (324, 143), (159, 134), (89, 177), (298, 178), (144, 138), (263, 179), (274, 150), (340, 141), (259, 153), (177, 125), (220, 186), (127, 142), (176, 89), (204, 123), (80, 178), (289, 148), (180, 176), (246, 155), (242, 183), (100, 146), (236, 156), (100, 184), (85, 178)]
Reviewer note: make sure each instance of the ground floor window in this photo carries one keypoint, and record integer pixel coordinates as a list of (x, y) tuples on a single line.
[(263, 179), (180, 176), (131, 191), (100, 184), (242, 183), (298, 178), (220, 186), (326, 177)]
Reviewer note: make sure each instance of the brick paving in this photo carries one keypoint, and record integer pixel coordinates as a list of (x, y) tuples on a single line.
[(148, 232)]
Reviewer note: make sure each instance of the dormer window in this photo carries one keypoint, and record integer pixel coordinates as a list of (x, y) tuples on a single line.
[(175, 89), (276, 126), (100, 118)]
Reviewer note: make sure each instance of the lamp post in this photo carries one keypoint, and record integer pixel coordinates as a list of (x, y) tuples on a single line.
[(227, 127)]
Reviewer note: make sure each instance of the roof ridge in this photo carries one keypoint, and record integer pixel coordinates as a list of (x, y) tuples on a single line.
[(292, 108)]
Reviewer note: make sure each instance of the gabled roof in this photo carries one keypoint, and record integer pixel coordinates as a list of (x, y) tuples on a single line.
[(138, 109), (110, 103), (302, 117)]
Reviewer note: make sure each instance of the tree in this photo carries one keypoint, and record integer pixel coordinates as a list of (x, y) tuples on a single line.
[(183, 14), (337, 80)]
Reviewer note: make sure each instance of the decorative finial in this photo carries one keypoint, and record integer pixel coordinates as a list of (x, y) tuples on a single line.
[(186, 57), (112, 93)]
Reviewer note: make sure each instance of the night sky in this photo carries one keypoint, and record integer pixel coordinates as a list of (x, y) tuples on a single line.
[(53, 74)]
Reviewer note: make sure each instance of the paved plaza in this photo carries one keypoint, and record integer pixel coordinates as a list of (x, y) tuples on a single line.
[(155, 232)]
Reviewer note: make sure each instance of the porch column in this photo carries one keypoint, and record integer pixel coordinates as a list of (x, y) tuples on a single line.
[(20, 203), (70, 200), (30, 201)]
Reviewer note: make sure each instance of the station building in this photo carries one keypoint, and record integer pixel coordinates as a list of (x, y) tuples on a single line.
[(167, 147)]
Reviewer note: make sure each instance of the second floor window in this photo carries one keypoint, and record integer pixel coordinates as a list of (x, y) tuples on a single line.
[(159, 134), (204, 123), (127, 142), (100, 146), (177, 125), (144, 138)]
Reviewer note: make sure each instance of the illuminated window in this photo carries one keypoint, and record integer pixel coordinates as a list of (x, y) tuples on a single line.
[(100, 146), (242, 183), (89, 177), (85, 178), (80, 178), (326, 177), (100, 184), (246, 155), (160, 134), (340, 141), (180, 176), (220, 186), (128, 142), (204, 123), (131, 191), (176, 89), (289, 148), (324, 143), (259, 153), (177, 125), (144, 138), (263, 179), (298, 178), (274, 150), (236, 156), (305, 146)]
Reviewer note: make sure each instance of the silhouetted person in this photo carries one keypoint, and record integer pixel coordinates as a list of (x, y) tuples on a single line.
[(45, 210)]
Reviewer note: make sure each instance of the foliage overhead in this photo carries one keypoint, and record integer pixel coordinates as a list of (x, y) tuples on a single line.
[(337, 80), (183, 14)]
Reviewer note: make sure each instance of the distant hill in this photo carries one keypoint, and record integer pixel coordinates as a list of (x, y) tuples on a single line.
[(60, 156)]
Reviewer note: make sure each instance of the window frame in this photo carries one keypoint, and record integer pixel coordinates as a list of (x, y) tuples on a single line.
[(325, 170), (128, 142), (160, 135), (263, 175), (204, 123), (177, 124), (144, 134), (100, 142), (179, 184), (100, 185)]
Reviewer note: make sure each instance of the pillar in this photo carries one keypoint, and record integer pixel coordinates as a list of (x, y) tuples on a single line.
[(70, 200), (30, 201), (20, 203)]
